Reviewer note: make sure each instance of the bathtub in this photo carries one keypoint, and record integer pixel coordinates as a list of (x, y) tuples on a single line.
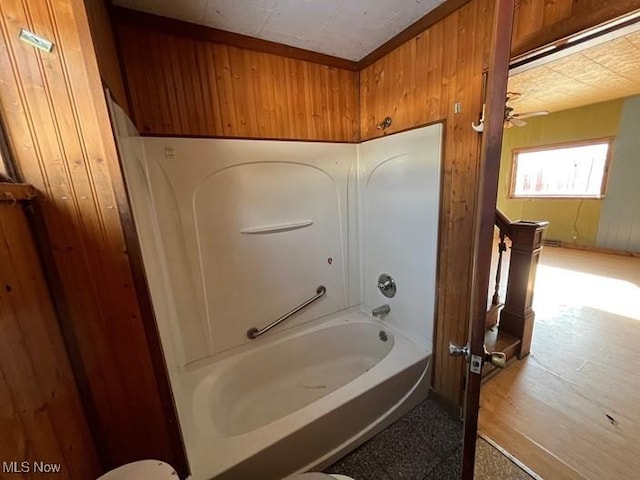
[(298, 400)]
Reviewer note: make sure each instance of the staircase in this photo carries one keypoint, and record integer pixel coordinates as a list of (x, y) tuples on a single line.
[(509, 323)]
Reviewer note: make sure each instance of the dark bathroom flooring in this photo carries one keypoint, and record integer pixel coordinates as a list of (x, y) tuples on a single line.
[(425, 444)]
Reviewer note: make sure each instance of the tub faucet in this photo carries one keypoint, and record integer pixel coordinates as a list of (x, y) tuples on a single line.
[(381, 311)]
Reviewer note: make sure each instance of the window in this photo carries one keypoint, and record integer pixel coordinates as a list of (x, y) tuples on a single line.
[(577, 170)]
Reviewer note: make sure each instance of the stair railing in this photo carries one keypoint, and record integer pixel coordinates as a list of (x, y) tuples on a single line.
[(517, 315)]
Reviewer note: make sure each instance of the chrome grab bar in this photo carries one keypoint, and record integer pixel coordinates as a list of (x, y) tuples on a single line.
[(253, 332)]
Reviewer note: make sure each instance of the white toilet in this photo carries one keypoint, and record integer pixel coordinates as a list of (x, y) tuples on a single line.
[(157, 470)]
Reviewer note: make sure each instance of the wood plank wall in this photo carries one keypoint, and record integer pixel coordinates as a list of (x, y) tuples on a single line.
[(60, 138), (541, 22), (418, 83), (187, 86), (41, 416)]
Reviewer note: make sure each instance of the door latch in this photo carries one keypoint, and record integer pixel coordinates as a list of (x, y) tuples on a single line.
[(497, 359), (475, 361), (475, 366)]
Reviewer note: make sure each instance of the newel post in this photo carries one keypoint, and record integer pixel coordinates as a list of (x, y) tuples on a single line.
[(517, 315)]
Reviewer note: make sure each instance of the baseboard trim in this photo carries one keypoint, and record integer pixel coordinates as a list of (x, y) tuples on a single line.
[(594, 249)]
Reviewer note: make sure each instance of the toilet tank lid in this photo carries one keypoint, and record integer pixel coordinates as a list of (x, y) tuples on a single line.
[(318, 476), (142, 470)]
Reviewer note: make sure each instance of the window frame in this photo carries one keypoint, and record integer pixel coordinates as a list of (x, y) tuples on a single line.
[(556, 146)]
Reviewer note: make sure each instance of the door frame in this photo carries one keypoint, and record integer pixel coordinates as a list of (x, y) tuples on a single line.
[(489, 154)]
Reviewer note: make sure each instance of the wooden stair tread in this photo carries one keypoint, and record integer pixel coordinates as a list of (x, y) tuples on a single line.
[(499, 341)]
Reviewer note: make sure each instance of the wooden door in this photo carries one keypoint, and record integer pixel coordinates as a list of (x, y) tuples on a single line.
[(43, 428), (495, 93)]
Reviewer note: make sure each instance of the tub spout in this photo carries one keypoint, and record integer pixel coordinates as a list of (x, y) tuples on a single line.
[(381, 311)]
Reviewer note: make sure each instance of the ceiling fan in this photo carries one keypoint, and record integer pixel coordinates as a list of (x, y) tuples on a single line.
[(510, 117), (517, 119)]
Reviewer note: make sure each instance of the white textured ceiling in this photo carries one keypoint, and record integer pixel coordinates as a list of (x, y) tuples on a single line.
[(343, 28), (600, 73)]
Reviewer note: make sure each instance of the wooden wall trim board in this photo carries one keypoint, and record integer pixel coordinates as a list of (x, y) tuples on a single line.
[(212, 35), (60, 139), (431, 18), (41, 418), (236, 137)]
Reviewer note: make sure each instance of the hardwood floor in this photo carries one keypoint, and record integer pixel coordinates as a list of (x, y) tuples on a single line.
[(571, 410)]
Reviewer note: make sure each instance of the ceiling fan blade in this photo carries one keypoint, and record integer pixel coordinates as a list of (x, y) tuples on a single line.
[(530, 114), (507, 124), (517, 122)]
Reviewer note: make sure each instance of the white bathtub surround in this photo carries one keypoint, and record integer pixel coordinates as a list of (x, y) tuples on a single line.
[(255, 227), (235, 233), (399, 203)]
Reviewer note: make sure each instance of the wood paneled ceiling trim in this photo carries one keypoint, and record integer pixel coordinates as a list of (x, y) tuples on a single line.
[(201, 32), (208, 34)]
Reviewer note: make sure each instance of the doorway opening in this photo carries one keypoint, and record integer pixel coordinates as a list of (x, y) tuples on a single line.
[(568, 409)]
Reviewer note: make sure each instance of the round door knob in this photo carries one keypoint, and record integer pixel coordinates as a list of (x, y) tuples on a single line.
[(497, 359), (458, 351)]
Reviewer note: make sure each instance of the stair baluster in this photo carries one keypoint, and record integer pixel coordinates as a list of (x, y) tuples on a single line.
[(502, 247)]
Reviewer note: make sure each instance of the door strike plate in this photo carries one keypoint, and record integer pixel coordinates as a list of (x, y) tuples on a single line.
[(475, 365)]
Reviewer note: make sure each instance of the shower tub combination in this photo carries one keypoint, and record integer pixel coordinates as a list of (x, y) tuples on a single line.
[(234, 233), (308, 397)]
